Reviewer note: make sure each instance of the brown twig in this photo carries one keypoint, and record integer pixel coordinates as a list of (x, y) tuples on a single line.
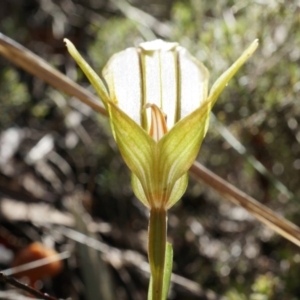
[(265, 215), (119, 258), (38, 67), (10, 280)]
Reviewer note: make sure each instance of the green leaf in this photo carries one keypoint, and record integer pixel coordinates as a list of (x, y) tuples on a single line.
[(167, 274), (150, 289), (167, 270)]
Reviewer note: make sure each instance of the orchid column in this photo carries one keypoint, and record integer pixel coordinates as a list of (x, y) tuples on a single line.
[(159, 106)]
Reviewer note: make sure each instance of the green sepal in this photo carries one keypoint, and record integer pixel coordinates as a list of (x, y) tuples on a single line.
[(159, 169), (135, 145), (178, 190), (179, 147), (222, 81), (138, 190), (89, 72)]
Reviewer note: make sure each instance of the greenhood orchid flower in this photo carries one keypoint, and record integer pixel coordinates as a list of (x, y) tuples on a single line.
[(159, 107)]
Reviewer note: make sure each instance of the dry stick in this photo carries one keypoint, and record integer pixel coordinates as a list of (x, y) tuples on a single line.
[(36, 263), (118, 258), (38, 67), (30, 62), (26, 288), (265, 215)]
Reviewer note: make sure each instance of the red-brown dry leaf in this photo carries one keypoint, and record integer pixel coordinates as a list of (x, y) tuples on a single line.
[(36, 251)]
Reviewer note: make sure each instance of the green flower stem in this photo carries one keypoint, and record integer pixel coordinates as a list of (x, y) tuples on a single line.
[(157, 249)]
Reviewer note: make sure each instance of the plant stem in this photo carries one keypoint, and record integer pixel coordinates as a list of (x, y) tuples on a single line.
[(157, 249)]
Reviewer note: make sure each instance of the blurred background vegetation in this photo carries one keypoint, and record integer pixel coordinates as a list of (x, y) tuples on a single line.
[(60, 168)]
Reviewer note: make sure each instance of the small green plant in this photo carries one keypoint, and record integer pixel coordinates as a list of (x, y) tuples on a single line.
[(159, 106)]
